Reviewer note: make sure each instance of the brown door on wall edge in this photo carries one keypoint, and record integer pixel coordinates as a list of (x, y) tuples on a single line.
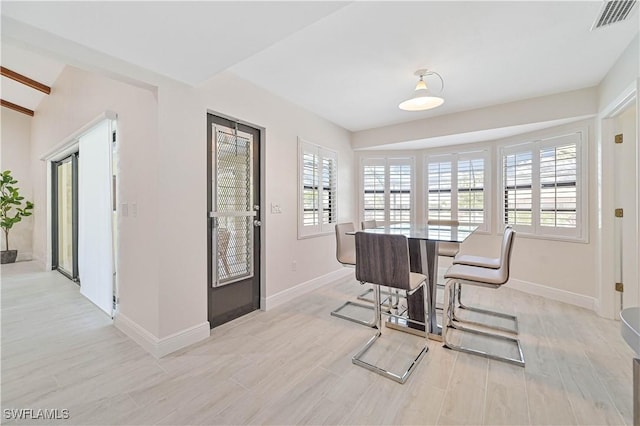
[(233, 176)]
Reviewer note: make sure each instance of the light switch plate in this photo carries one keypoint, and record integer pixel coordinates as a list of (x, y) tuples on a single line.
[(275, 208)]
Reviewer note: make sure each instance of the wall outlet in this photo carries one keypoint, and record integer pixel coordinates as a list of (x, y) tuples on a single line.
[(134, 209), (294, 266), (124, 209)]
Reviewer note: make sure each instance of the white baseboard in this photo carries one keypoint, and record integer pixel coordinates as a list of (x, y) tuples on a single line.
[(24, 256), (41, 264), (166, 345), (306, 287), (554, 294)]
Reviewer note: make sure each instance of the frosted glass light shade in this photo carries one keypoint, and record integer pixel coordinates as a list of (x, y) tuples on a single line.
[(421, 101)]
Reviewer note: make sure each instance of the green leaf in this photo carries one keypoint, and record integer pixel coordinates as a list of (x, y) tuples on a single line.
[(11, 199)]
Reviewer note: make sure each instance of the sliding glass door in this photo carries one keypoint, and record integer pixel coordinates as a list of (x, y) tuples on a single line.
[(65, 216)]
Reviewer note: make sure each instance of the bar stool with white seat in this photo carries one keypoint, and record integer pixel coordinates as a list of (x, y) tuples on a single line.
[(346, 255), (445, 248), (383, 260), (490, 263), (369, 224), (459, 275), (481, 261)]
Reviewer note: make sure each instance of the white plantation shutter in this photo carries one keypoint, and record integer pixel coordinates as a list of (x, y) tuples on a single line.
[(329, 189), (457, 188), (399, 191), (558, 186), (517, 169), (374, 182), (387, 189), (542, 186), (471, 190), (317, 199), (309, 188), (440, 177)]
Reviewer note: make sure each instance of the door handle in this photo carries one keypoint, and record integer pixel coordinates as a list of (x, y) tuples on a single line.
[(257, 223)]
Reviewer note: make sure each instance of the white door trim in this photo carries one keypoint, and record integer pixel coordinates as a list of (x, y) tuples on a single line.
[(605, 226)]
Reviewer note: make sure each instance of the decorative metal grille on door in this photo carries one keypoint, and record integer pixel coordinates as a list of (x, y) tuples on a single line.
[(233, 206)]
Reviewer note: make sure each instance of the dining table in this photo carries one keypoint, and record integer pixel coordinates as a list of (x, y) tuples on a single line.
[(423, 243)]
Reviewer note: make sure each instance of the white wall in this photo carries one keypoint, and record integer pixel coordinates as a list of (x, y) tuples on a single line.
[(284, 123), (16, 135), (162, 255), (567, 105), (623, 73), (183, 144), (77, 98), (559, 269)]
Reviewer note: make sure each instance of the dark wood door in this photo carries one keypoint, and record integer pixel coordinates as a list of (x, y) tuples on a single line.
[(233, 219)]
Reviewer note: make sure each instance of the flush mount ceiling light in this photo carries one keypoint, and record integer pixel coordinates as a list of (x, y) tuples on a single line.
[(422, 98)]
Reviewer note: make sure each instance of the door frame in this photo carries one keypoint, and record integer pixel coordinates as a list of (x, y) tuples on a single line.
[(73, 158), (607, 298), (260, 270)]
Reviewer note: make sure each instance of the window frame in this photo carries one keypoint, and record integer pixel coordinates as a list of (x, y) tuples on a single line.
[(542, 141), (454, 158), (319, 228), (386, 162)]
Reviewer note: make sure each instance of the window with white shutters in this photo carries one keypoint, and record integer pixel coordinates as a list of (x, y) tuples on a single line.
[(400, 193), (374, 184), (517, 171), (471, 191), (542, 186), (439, 183), (558, 186), (457, 188), (318, 170), (387, 186)]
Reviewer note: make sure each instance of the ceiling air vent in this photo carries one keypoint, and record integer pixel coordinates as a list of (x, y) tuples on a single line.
[(612, 12)]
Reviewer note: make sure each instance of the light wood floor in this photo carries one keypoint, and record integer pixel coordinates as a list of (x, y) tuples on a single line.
[(292, 365)]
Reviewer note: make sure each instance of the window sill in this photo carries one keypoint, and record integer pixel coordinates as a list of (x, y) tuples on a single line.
[(319, 234), (558, 238)]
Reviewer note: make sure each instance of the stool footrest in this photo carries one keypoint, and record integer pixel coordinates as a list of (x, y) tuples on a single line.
[(336, 313), (400, 378), (517, 361)]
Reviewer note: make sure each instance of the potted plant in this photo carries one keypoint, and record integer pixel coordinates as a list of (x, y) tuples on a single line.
[(11, 199)]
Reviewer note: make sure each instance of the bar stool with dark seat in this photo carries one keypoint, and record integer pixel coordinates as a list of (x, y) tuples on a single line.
[(383, 260), (389, 295), (459, 275)]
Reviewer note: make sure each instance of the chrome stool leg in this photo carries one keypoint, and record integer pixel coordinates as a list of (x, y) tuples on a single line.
[(448, 323), (458, 290), (357, 358), (388, 300), (336, 313)]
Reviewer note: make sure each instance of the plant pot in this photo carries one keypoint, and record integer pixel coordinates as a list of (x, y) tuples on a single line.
[(8, 256)]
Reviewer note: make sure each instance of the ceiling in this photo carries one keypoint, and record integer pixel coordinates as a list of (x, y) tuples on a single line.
[(351, 62), (40, 68)]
